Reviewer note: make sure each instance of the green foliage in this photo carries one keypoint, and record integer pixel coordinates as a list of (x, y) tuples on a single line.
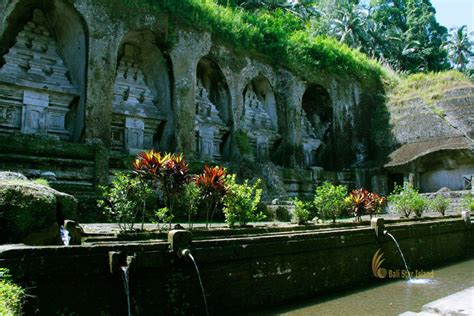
[(268, 214), (406, 200), (277, 33), (11, 295), (163, 216), (124, 199), (190, 201), (330, 200), (427, 36), (240, 204), (468, 202), (460, 47), (301, 213), (282, 214), (401, 33), (439, 204)]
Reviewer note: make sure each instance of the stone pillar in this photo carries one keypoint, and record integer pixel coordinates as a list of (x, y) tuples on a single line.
[(185, 55), (290, 92)]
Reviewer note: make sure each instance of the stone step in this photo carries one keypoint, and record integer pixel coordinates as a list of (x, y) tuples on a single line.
[(45, 160)]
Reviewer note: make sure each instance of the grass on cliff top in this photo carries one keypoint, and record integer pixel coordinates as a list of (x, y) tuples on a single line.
[(430, 87), (276, 34)]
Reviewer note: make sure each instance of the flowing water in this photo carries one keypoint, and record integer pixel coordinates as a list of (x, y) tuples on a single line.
[(64, 235), (200, 282), (126, 287), (401, 254), (389, 298)]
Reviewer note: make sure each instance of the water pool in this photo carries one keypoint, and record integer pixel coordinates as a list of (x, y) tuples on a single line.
[(392, 298)]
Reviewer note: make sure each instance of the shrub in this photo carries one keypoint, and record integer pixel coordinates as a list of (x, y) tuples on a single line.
[(190, 201), (301, 213), (169, 171), (11, 295), (468, 202), (439, 204), (406, 200), (124, 199), (282, 214), (268, 214), (240, 204), (330, 200), (211, 183), (362, 202)]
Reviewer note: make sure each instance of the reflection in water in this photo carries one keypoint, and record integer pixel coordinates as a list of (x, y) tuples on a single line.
[(391, 298)]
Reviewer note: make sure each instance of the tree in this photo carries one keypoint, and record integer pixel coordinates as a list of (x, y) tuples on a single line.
[(350, 25), (459, 47), (427, 36)]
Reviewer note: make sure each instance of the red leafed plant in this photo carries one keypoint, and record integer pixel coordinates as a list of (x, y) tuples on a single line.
[(357, 201), (374, 203), (212, 185), (170, 171), (364, 202)]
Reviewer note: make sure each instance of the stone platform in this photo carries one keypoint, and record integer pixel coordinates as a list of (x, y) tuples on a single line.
[(460, 303)]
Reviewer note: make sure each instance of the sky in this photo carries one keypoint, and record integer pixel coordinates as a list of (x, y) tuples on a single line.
[(451, 13)]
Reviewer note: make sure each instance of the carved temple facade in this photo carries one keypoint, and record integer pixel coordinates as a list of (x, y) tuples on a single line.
[(36, 94), (81, 91)]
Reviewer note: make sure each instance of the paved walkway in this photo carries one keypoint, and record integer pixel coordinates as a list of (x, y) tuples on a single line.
[(460, 304)]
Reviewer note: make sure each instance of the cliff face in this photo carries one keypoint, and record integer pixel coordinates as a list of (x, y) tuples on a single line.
[(433, 123)]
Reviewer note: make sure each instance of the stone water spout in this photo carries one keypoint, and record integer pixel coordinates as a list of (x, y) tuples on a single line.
[(180, 241), (378, 225), (120, 263)]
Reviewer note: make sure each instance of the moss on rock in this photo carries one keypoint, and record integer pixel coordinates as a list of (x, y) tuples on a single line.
[(31, 212)]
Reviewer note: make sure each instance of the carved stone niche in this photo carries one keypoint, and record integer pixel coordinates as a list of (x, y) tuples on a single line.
[(258, 125), (210, 127), (135, 118), (35, 92), (316, 117), (310, 142)]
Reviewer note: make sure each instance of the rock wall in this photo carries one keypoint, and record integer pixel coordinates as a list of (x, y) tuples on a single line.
[(137, 80)]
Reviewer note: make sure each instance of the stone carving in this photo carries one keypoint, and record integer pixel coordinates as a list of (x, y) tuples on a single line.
[(210, 127), (258, 125), (310, 141), (135, 118), (35, 92)]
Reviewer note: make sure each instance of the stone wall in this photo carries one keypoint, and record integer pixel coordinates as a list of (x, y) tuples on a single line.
[(240, 272), (127, 81)]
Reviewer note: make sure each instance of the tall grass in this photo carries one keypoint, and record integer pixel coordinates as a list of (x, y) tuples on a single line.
[(276, 34)]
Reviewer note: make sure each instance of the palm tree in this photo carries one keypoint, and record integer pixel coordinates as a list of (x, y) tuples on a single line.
[(350, 26), (459, 46)]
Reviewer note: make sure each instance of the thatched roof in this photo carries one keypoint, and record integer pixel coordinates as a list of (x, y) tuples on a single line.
[(412, 151)]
